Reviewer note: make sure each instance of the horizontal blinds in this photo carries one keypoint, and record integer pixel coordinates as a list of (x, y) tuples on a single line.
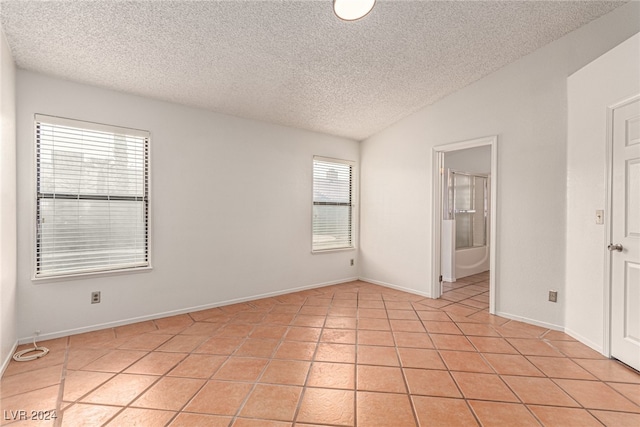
[(92, 197), (332, 204)]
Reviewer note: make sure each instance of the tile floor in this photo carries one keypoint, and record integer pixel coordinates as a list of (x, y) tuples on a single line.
[(344, 355)]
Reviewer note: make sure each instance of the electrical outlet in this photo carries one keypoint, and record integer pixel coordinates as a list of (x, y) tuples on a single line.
[(352, 262), (553, 296), (36, 332), (95, 297)]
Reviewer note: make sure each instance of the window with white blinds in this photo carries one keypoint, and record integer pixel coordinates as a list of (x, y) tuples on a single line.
[(92, 203), (332, 204)]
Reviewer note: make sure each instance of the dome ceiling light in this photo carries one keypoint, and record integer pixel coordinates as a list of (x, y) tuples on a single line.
[(351, 10)]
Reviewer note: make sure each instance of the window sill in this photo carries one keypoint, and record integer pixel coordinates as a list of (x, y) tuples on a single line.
[(326, 251), (80, 276)]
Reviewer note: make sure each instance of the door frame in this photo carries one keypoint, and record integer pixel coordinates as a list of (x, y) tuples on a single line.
[(608, 284), (436, 224)]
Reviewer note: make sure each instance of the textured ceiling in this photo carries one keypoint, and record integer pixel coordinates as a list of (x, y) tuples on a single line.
[(287, 62)]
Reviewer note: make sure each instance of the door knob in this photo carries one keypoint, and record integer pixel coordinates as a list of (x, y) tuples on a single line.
[(617, 247)]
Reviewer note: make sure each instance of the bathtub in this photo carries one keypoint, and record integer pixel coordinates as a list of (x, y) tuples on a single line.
[(470, 261)]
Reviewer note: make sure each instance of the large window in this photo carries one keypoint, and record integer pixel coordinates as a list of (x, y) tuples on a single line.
[(92, 204), (332, 204)]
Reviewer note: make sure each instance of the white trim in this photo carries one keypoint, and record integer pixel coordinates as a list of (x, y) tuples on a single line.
[(7, 360), (530, 321), (605, 349), (585, 341), (392, 286), (68, 332), (437, 163), (86, 275)]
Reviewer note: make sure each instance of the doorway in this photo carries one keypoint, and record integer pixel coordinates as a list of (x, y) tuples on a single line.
[(479, 222)]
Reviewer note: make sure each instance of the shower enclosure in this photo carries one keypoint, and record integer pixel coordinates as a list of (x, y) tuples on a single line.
[(465, 225)]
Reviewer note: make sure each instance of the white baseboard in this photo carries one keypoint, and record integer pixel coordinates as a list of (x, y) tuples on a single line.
[(7, 359), (392, 286), (75, 331), (597, 347), (531, 321)]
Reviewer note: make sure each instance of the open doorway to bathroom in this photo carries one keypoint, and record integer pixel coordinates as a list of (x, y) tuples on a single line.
[(464, 226)]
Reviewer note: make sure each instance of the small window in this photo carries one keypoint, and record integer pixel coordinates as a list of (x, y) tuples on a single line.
[(332, 204), (92, 202)]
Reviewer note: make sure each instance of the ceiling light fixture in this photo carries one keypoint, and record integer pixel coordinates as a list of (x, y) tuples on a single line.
[(350, 10)]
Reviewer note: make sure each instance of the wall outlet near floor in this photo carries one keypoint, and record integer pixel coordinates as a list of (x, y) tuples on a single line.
[(553, 296), (95, 297)]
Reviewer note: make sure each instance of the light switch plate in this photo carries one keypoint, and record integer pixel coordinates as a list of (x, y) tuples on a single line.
[(599, 217)]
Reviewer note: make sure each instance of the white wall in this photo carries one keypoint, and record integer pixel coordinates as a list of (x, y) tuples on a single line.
[(523, 103), (231, 210), (613, 77), (8, 315)]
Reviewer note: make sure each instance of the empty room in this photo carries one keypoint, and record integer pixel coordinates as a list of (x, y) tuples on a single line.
[(319, 213)]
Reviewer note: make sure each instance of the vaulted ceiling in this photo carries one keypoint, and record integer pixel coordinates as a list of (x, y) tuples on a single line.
[(287, 62)]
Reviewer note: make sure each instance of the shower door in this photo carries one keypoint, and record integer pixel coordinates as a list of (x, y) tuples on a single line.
[(467, 204)]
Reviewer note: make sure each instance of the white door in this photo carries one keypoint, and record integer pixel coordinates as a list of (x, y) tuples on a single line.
[(625, 234)]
